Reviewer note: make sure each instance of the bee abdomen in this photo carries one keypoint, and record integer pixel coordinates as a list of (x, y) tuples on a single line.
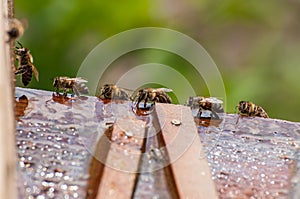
[(217, 108), (164, 98), (26, 77)]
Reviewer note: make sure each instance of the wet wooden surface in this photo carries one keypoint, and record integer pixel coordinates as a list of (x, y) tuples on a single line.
[(191, 173), (119, 173), (58, 138)]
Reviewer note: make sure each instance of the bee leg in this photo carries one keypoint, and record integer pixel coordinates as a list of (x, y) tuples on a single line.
[(21, 70), (199, 113), (215, 115), (57, 91), (145, 102), (157, 99), (138, 100), (164, 99), (20, 45), (65, 92), (75, 90), (124, 95), (237, 120)]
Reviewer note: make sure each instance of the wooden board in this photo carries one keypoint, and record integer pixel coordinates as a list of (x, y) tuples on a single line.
[(7, 123), (120, 165), (191, 172)]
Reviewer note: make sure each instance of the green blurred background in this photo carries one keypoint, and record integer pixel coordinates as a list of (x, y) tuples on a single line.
[(255, 44)]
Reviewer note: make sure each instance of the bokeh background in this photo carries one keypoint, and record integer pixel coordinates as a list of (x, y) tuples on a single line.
[(255, 44)]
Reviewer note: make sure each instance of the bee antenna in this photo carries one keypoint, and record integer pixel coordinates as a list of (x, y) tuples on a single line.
[(235, 109), (52, 78), (19, 44)]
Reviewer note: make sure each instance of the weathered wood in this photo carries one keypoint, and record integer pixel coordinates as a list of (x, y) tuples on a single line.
[(256, 157), (118, 172), (191, 173), (7, 123)]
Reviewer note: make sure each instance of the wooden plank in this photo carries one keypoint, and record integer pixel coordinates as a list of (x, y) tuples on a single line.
[(122, 161), (7, 122), (190, 171)]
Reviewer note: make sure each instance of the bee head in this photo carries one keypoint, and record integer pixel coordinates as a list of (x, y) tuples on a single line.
[(21, 51), (56, 81), (105, 89), (141, 92), (13, 32), (242, 105)]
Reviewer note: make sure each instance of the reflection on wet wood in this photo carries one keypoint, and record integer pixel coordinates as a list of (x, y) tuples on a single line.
[(56, 141), (207, 121), (191, 173), (255, 157), (97, 167), (20, 106), (116, 159)]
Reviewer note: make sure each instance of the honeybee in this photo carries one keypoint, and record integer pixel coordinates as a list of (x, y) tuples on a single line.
[(25, 65), (77, 85), (15, 28), (111, 91), (152, 95), (212, 104), (249, 109)]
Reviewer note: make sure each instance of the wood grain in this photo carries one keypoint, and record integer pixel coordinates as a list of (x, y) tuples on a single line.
[(191, 173), (7, 122)]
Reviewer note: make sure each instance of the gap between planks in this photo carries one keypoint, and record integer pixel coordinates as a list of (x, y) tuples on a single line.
[(190, 173)]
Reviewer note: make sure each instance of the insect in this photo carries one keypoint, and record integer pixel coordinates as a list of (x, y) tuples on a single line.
[(15, 29), (212, 104), (77, 85), (25, 65), (155, 153), (246, 108), (111, 91), (152, 95)]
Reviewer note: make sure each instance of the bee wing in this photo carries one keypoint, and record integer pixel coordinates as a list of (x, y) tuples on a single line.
[(78, 80), (75, 89), (35, 72), (213, 100), (80, 85), (166, 90), (81, 88), (128, 91)]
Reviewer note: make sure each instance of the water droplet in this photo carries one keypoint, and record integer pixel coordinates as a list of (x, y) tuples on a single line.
[(64, 187), (40, 197), (129, 133), (176, 122)]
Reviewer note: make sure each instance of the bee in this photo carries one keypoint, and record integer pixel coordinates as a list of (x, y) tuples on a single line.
[(246, 108), (111, 91), (15, 29), (152, 95), (25, 65), (77, 85), (156, 154), (212, 104)]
